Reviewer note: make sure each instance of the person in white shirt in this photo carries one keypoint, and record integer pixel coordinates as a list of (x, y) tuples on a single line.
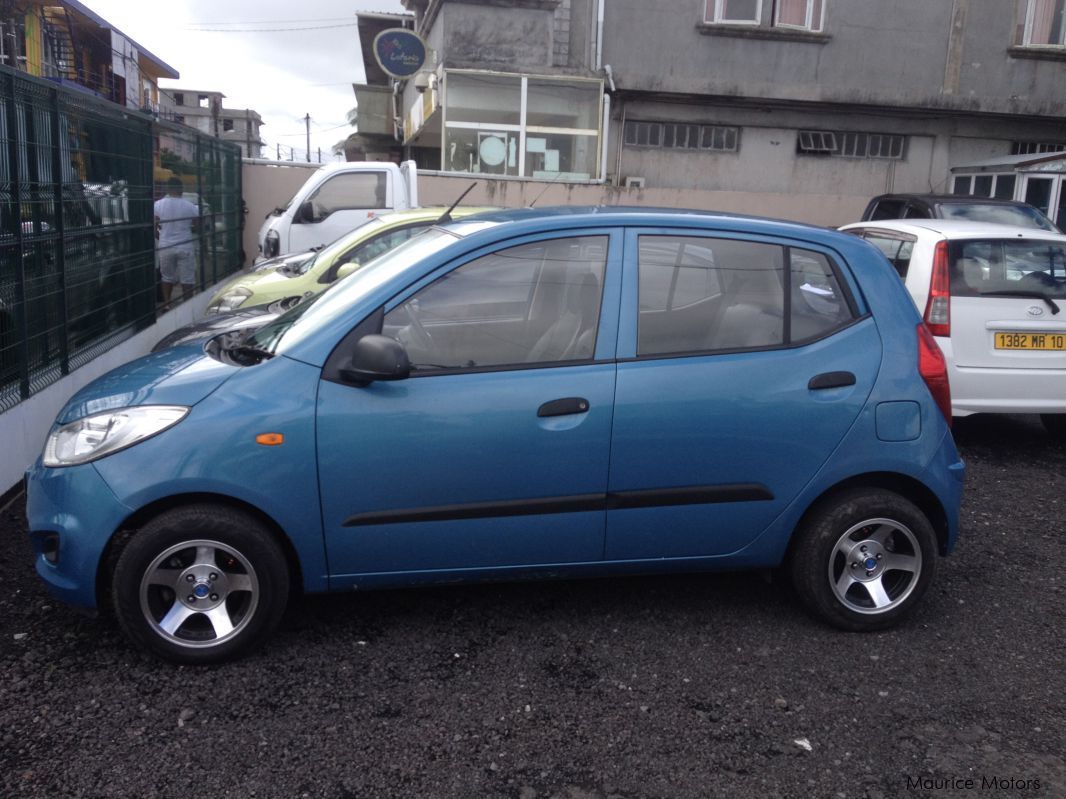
[(176, 225)]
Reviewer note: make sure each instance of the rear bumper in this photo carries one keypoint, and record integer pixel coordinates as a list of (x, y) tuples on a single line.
[(945, 475), (983, 390)]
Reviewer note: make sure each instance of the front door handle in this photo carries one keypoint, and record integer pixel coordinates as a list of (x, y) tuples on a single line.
[(563, 407), (831, 380)]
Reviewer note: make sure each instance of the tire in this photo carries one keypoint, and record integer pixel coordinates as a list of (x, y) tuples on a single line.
[(1055, 424), (200, 584), (863, 559)]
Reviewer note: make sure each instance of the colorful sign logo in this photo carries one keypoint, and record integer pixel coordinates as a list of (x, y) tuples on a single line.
[(399, 52)]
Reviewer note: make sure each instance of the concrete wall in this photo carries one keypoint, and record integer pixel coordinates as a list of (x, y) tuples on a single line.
[(486, 37), (23, 428), (875, 53)]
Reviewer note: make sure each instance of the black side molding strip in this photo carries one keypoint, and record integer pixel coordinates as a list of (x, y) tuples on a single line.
[(620, 500)]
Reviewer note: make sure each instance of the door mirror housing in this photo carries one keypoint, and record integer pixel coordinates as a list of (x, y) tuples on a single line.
[(345, 269), (377, 357)]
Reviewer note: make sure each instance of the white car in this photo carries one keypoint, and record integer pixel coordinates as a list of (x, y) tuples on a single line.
[(992, 296)]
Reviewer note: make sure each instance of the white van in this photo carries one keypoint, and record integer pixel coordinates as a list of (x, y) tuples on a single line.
[(336, 199)]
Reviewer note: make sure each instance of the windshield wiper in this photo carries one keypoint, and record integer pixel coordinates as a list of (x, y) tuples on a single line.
[(258, 353), (1036, 295)]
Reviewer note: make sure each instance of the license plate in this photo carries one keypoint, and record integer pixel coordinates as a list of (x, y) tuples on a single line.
[(1031, 341)]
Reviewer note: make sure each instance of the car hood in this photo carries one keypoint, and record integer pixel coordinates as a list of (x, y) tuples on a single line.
[(177, 376), (269, 280)]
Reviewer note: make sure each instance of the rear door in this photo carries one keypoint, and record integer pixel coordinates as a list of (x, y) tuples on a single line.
[(743, 362), (1003, 298)]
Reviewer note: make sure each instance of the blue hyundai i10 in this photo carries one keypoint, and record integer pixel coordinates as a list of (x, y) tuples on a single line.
[(571, 391)]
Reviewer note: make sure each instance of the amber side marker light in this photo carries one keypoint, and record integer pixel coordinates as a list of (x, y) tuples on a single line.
[(270, 439)]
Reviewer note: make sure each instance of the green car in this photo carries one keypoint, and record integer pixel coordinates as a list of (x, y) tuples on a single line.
[(334, 261)]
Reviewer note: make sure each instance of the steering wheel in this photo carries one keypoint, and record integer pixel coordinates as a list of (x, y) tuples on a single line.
[(1042, 279), (421, 337)]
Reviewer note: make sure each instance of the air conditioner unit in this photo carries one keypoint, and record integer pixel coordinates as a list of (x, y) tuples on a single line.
[(633, 182)]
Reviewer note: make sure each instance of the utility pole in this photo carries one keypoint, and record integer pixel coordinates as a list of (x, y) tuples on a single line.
[(307, 122)]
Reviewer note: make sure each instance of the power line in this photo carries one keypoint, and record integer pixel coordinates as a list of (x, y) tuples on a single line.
[(272, 30)]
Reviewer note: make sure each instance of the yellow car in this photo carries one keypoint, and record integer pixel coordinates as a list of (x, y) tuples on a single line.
[(334, 261)]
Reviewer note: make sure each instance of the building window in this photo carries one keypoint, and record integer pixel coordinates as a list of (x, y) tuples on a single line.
[(227, 124), (999, 186), (851, 145), (1032, 147), (179, 118), (677, 135), (1042, 23), (179, 98), (734, 12), (802, 14), (525, 126), (204, 100)]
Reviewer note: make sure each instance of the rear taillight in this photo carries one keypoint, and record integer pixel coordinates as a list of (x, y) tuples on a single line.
[(938, 308), (934, 371)]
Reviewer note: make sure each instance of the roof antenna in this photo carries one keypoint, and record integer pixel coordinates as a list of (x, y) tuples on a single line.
[(550, 183), (447, 215)]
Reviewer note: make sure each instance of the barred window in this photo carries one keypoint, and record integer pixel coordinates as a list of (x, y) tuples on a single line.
[(678, 135), (847, 144)]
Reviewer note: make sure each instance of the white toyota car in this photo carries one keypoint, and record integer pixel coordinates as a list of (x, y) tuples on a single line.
[(993, 296)]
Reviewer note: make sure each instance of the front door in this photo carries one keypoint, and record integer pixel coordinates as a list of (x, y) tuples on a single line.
[(748, 362), (337, 207), (494, 453)]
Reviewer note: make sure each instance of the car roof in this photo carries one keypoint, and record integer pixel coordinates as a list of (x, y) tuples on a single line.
[(947, 198), (955, 229)]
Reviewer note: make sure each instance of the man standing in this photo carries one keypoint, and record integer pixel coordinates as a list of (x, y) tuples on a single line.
[(176, 223)]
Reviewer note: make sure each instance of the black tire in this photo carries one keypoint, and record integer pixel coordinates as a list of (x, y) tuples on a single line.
[(1055, 424), (863, 559), (220, 584)]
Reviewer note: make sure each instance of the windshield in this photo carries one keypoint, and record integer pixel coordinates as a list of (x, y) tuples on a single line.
[(307, 317), (335, 248), (1018, 215)]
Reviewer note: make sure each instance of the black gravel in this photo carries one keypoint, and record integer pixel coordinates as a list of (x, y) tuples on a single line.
[(689, 686)]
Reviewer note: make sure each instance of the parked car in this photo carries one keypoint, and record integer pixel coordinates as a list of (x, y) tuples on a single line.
[(992, 297), (338, 259), (957, 206), (526, 393)]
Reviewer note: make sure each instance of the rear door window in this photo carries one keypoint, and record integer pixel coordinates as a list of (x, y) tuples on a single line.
[(896, 247), (1015, 267)]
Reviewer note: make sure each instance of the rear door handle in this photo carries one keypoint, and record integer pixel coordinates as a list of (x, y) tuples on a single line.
[(563, 407), (831, 380)]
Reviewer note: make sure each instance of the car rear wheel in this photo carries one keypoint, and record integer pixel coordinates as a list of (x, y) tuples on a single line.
[(863, 559), (200, 584), (1055, 424)]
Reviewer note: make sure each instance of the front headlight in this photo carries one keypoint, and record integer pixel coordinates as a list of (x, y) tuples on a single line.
[(230, 300), (104, 433)]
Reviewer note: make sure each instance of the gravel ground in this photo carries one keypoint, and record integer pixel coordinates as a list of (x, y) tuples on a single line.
[(688, 686)]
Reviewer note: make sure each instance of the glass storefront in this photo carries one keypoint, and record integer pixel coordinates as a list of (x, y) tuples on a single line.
[(524, 126)]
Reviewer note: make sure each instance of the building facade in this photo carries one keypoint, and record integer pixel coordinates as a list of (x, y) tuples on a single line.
[(204, 111), (66, 42), (794, 100)]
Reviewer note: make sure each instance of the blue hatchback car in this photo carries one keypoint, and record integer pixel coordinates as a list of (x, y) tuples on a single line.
[(573, 391)]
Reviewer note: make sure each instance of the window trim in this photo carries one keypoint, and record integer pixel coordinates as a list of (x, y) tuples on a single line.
[(706, 131), (808, 26)]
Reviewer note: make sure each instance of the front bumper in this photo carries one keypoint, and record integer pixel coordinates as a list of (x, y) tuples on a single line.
[(75, 505)]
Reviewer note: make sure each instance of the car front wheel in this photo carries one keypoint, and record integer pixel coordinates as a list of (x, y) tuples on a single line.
[(200, 584), (863, 560)]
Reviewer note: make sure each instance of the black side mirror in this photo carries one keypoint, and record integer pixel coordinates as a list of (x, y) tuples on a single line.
[(305, 213), (377, 357)]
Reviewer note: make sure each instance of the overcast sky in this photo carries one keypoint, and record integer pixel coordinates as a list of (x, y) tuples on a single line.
[(255, 53)]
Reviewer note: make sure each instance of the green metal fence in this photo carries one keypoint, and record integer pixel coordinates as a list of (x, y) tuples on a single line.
[(78, 178)]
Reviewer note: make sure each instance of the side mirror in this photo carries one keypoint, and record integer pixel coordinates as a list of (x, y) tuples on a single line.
[(346, 269), (377, 357), (305, 213)]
